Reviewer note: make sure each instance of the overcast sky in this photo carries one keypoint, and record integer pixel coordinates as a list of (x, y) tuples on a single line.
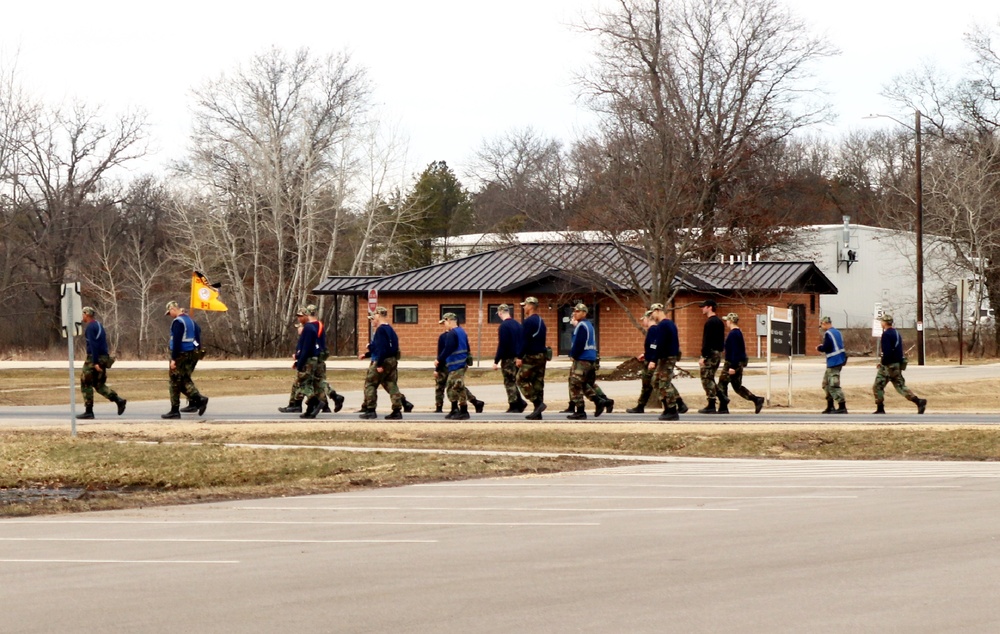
[(450, 72)]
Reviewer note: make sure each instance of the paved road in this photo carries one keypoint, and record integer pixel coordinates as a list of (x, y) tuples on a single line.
[(680, 546)]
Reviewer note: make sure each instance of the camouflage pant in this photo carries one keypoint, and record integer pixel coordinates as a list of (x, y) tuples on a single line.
[(885, 374), (581, 378), (91, 380), (831, 384), (180, 379), (708, 370), (663, 386), (311, 381), (736, 378), (440, 383), (385, 379), (531, 377), (646, 377), (508, 368), (456, 387)]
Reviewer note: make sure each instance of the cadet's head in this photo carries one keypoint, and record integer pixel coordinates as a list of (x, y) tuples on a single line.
[(708, 307), (450, 320), (88, 314), (173, 309), (380, 315), (530, 305), (503, 311), (886, 320), (732, 320), (580, 311), (302, 315), (657, 312), (311, 310), (647, 318), (826, 323)]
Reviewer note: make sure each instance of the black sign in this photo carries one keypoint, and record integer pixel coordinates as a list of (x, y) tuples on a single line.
[(781, 338)]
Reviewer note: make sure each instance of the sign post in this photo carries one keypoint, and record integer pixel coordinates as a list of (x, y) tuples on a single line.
[(71, 325), (779, 341)]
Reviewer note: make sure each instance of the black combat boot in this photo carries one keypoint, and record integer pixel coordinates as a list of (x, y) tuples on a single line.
[(120, 402), (600, 406), (453, 414), (669, 413), (570, 409), (439, 408), (407, 406), (394, 415), (294, 407), (829, 407), (682, 407), (324, 407), (190, 408), (174, 412), (368, 413), (536, 414), (520, 405), (758, 404), (338, 401), (708, 409), (479, 405), (841, 408), (921, 405), (638, 409), (463, 412), (579, 413), (88, 413), (313, 406), (879, 408), (512, 408), (202, 405), (723, 406)]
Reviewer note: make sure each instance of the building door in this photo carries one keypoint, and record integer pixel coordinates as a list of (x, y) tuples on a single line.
[(798, 328), (566, 329)]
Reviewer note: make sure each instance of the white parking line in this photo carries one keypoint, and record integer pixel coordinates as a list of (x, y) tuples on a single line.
[(606, 497), (289, 522), (119, 561), (660, 485), (476, 509), (180, 540)]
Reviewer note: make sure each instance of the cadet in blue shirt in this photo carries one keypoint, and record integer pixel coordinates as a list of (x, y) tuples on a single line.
[(384, 353), (646, 376), (532, 357), (836, 357), (184, 355), (662, 358), (95, 367), (510, 337), (582, 375), (732, 370), (890, 369), (454, 358)]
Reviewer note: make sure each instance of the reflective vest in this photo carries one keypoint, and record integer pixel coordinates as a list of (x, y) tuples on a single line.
[(838, 356), (188, 342), (457, 359), (590, 348)]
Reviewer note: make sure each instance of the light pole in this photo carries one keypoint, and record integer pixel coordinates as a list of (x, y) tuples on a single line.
[(919, 227)]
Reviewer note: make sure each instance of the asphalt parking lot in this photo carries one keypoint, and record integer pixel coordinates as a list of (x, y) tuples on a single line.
[(678, 546)]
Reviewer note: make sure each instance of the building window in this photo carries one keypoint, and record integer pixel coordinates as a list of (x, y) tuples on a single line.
[(494, 317), (458, 309), (404, 314)]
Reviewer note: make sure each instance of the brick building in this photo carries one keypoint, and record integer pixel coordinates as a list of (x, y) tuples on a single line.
[(598, 274)]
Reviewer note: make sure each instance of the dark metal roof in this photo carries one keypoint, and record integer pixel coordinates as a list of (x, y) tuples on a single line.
[(587, 265)]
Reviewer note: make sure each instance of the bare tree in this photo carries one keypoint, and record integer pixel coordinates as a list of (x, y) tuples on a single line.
[(270, 146), (689, 92)]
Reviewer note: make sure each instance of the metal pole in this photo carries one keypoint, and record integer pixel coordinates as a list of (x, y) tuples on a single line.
[(479, 353), (920, 248)]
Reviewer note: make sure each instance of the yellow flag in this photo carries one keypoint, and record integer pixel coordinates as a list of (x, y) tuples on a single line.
[(204, 296)]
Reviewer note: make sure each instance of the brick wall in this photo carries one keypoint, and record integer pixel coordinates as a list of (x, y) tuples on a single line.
[(618, 336)]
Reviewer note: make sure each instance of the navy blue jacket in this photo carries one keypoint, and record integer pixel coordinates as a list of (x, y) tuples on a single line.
[(736, 349), (320, 337), (456, 350), (648, 346), (97, 341), (833, 347), (385, 344), (892, 346), (510, 337), (666, 341), (307, 345), (713, 338), (533, 331)]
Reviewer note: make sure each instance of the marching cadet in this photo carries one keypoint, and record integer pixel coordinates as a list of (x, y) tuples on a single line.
[(95, 367), (583, 352), (646, 375), (199, 354), (890, 369), (532, 357), (509, 337), (183, 346), (338, 400), (309, 350), (452, 360), (662, 358), (713, 342), (836, 357), (732, 370), (383, 370), (296, 396), (441, 373)]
